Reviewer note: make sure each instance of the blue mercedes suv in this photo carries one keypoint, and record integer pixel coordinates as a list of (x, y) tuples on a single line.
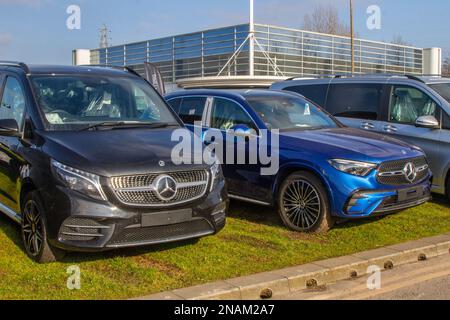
[(326, 170)]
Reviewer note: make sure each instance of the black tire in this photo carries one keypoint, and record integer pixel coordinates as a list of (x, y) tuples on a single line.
[(447, 188), (303, 204), (34, 231)]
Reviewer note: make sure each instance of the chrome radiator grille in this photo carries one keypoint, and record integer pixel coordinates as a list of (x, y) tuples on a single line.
[(145, 190), (399, 172)]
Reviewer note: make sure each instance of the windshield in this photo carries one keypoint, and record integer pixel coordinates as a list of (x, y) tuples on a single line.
[(443, 89), (284, 112), (75, 102)]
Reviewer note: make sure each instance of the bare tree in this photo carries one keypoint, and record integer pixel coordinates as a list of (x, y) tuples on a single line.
[(325, 19), (398, 39)]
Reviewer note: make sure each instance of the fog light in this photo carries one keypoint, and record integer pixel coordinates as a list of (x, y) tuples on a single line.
[(82, 229), (219, 214), (221, 208), (365, 203), (219, 218)]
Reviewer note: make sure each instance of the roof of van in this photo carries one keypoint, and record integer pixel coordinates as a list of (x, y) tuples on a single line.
[(67, 70), (365, 77), (433, 80), (54, 69)]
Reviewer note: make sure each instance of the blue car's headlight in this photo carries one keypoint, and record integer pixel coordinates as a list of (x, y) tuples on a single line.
[(356, 168), (77, 180)]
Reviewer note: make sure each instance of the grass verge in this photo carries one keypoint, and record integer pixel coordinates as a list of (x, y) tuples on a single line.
[(253, 241)]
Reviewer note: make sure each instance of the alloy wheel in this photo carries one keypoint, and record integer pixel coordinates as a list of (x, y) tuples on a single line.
[(302, 204), (32, 229)]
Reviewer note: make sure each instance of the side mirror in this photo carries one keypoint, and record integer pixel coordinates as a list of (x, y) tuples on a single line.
[(9, 127), (242, 130), (429, 122)]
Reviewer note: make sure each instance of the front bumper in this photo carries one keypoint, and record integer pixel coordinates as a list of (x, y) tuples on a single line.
[(355, 197), (382, 202), (77, 223)]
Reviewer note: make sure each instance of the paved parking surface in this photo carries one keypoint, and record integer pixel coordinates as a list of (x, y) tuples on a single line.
[(429, 280)]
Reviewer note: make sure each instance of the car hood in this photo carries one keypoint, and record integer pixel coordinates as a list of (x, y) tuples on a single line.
[(349, 143), (116, 152)]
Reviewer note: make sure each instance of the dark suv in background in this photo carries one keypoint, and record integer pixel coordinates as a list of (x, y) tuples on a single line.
[(411, 108), (85, 163)]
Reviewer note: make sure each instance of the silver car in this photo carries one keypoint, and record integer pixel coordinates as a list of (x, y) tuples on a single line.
[(415, 109)]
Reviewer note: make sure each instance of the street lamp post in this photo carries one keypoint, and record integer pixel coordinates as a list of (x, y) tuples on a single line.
[(352, 36)]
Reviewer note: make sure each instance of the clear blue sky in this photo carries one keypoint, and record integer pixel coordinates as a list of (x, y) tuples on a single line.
[(35, 30)]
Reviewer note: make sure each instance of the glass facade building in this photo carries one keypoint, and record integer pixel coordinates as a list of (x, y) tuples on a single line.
[(295, 52)]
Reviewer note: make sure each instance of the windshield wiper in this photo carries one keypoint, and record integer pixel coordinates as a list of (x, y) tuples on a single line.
[(128, 124)]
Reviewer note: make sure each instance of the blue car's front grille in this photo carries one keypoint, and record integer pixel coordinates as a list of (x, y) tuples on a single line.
[(395, 173)]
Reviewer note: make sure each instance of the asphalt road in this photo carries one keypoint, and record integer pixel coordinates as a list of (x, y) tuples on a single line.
[(428, 280)]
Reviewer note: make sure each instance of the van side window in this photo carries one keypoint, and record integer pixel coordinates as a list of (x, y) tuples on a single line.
[(446, 121), (13, 101), (315, 93), (359, 101), (408, 103), (191, 109), (175, 104), (227, 114)]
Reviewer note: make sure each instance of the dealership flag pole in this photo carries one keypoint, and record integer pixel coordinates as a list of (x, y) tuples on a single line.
[(252, 39)]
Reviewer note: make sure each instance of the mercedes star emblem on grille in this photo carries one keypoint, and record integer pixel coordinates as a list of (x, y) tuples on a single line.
[(410, 172), (166, 188)]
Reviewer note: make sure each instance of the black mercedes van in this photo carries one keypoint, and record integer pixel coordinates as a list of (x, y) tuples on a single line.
[(86, 163)]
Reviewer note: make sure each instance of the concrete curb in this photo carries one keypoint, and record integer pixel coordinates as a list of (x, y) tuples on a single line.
[(294, 279)]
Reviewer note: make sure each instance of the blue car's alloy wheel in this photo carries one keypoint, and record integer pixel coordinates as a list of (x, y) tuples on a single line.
[(303, 204)]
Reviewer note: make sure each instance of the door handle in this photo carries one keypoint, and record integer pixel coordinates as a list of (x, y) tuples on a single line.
[(390, 128), (367, 126)]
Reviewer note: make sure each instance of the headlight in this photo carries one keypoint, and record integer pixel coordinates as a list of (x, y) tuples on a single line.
[(356, 168), (417, 148), (216, 169), (77, 180), (216, 174)]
